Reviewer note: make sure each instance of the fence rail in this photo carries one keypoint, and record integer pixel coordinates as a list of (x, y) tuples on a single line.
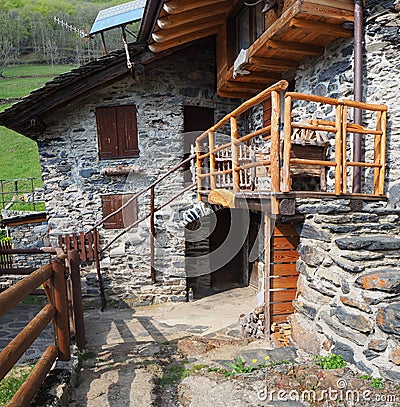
[(53, 277), (24, 191)]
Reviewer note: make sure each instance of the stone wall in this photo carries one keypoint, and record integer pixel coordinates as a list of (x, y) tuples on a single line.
[(349, 284), (74, 182), (349, 250)]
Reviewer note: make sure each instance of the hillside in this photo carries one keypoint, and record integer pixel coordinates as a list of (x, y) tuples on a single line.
[(28, 32)]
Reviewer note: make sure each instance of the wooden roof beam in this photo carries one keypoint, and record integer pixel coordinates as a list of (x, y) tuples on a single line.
[(273, 63), (245, 87), (186, 17), (259, 77), (324, 28), (171, 33), (158, 47), (296, 47), (180, 6)]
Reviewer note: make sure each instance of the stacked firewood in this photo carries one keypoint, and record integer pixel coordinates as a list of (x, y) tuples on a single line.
[(252, 325)]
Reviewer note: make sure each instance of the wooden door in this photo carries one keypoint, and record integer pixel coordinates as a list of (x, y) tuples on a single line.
[(283, 273)]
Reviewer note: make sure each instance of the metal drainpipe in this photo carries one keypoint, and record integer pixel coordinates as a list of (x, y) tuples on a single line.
[(358, 86)]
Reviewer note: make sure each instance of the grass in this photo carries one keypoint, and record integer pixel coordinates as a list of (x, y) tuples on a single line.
[(36, 70), (331, 361), (12, 382), (19, 156)]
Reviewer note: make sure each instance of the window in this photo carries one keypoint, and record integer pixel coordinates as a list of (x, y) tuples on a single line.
[(117, 132), (123, 219), (248, 25)]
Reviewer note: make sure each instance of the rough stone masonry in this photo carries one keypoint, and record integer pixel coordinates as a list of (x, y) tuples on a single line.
[(75, 178)]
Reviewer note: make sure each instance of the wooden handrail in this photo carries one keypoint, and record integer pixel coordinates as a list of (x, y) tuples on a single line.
[(33, 382), (17, 292)]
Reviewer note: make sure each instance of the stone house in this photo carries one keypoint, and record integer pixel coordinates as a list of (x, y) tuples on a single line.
[(332, 259)]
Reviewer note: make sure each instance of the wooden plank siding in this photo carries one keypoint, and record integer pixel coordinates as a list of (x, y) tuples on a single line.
[(283, 275)]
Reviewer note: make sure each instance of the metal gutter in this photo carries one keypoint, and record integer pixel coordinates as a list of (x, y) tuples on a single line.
[(149, 19)]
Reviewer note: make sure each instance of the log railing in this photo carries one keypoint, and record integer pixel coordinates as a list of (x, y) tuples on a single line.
[(277, 139), (53, 277)]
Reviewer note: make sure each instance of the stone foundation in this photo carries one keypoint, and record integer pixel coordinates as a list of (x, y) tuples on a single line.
[(349, 287)]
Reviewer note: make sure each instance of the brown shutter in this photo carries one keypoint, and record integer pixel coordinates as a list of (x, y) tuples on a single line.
[(111, 203), (107, 132), (127, 131)]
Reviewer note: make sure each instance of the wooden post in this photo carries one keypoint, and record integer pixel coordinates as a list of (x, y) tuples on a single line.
[(338, 150), (75, 275), (287, 145), (152, 234), (267, 275), (96, 252), (275, 152), (61, 305), (235, 154), (33, 382), (344, 149), (198, 169), (381, 187), (211, 147), (377, 152)]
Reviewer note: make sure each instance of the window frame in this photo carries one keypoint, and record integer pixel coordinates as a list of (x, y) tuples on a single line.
[(233, 27)]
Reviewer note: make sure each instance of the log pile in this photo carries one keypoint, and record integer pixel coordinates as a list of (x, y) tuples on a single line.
[(252, 325)]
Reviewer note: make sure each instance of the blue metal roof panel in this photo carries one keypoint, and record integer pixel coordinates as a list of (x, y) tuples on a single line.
[(118, 15)]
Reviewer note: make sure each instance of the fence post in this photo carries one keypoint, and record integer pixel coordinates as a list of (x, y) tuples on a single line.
[(61, 304), (74, 269)]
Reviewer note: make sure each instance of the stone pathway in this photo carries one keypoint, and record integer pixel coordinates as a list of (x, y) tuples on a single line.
[(12, 322)]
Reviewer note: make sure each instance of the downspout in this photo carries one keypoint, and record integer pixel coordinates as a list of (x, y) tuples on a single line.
[(358, 87)]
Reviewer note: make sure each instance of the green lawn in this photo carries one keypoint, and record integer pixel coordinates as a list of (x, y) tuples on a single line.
[(36, 70)]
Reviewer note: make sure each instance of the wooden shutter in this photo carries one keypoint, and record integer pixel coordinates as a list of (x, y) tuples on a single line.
[(107, 132), (111, 203), (127, 131), (117, 132)]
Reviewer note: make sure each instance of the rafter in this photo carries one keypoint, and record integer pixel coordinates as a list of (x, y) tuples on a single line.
[(296, 47), (171, 33), (180, 6), (158, 47), (326, 28), (273, 63), (194, 15)]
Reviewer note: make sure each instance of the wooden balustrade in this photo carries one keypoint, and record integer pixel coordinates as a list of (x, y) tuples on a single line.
[(280, 161)]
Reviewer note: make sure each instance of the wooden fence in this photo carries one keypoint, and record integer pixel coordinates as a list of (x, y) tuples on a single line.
[(53, 277), (6, 260)]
